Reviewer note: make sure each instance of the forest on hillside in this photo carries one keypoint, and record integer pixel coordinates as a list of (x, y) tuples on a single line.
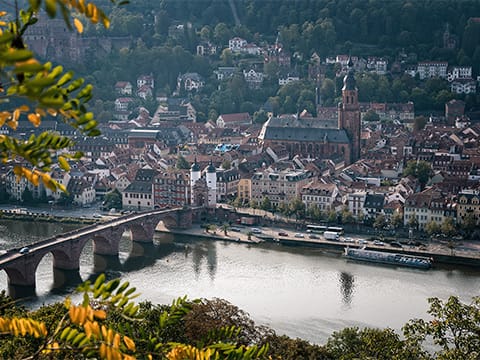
[(406, 31)]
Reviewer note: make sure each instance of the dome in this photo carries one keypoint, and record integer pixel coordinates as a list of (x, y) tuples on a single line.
[(195, 166), (211, 168)]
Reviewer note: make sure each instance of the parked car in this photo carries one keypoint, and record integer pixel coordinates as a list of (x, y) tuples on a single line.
[(24, 250), (256, 230), (348, 240), (234, 228), (282, 234), (378, 243), (313, 236), (362, 241), (396, 244), (299, 235)]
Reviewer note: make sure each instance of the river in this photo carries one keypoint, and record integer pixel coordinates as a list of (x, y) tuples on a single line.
[(301, 292)]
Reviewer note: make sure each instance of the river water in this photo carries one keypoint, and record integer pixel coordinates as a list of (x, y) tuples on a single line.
[(301, 292)]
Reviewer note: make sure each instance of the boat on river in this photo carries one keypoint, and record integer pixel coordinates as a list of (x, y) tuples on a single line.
[(397, 259)]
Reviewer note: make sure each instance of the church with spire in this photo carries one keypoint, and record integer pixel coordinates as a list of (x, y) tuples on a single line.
[(318, 138)]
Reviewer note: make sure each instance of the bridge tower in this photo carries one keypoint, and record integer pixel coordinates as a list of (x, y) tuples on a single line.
[(211, 177), (195, 175)]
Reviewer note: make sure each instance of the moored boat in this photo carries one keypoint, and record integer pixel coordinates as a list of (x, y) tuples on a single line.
[(419, 262)]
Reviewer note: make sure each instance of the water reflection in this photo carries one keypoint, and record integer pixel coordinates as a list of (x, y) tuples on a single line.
[(203, 251), (347, 287)]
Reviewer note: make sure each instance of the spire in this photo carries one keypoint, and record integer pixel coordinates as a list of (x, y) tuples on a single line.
[(349, 79)]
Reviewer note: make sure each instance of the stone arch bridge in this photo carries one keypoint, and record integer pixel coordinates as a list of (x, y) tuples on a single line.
[(66, 248)]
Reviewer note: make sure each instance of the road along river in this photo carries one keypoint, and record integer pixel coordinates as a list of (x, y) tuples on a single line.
[(302, 292)]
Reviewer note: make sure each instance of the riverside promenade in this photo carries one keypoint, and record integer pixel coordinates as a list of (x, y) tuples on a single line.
[(463, 256)]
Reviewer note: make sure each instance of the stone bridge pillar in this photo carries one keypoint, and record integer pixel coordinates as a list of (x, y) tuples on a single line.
[(184, 220), (21, 276), (143, 230), (106, 242)]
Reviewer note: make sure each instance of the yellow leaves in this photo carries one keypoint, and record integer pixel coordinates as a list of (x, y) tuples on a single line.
[(78, 25), (34, 119), (80, 314), (11, 118), (4, 115), (35, 176), (22, 327), (100, 314), (129, 343), (90, 10), (188, 352), (31, 176)]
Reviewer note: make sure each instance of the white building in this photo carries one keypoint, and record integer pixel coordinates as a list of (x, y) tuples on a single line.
[(459, 72), (320, 194), (355, 202), (463, 86), (279, 186), (430, 69), (236, 44)]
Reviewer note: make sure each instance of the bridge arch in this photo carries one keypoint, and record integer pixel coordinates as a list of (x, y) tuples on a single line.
[(66, 248)]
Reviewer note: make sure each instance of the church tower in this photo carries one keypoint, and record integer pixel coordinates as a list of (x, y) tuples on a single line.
[(349, 114)]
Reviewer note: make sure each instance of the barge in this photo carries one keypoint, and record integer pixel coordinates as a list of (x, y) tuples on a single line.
[(413, 261)]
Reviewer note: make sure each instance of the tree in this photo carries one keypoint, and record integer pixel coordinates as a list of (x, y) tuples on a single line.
[(34, 91), (347, 216), (371, 115), (260, 116), (182, 163), (65, 199), (469, 222), (397, 220), (27, 196), (297, 207), (113, 199), (226, 164), (432, 228), (380, 222), (413, 222), (225, 227), (448, 227), (454, 328), (266, 204), (419, 123), (419, 169), (381, 344), (327, 92), (332, 216)]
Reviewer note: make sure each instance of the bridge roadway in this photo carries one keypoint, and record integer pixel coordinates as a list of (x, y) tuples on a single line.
[(67, 247)]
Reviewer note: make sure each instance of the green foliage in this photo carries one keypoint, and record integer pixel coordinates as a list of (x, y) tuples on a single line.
[(448, 227), (113, 199), (454, 328), (422, 170), (419, 123), (380, 222), (380, 344), (182, 163), (413, 222), (371, 115)]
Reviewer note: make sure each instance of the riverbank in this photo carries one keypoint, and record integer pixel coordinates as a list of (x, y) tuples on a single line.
[(439, 253), (44, 217)]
